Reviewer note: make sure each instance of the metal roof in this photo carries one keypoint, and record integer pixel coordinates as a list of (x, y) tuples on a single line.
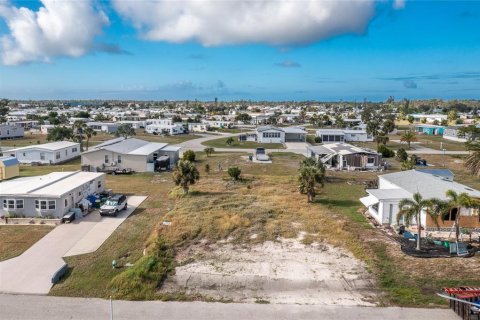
[(147, 149), (438, 172), (9, 161), (428, 185), (340, 148), (52, 146), (133, 146), (54, 184)]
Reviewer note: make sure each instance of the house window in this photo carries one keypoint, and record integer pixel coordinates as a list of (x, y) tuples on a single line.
[(99, 184), (371, 160), (106, 158), (119, 159), (74, 149), (19, 204), (66, 203), (57, 155), (24, 154), (42, 156), (43, 205), (52, 204), (451, 216), (37, 204), (11, 204), (66, 152), (5, 205)]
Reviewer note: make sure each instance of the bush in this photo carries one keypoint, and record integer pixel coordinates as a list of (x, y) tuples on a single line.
[(401, 155), (386, 152), (189, 155), (318, 139), (234, 173)]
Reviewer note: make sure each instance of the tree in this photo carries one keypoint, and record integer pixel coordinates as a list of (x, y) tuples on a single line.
[(89, 133), (452, 115), (185, 174), (373, 128), (234, 173), (382, 139), (444, 122), (229, 141), (455, 202), (473, 159), (189, 155), (60, 133), (386, 152), (424, 120), (401, 155), (310, 174), (243, 117), (125, 130), (176, 118), (339, 123), (388, 126), (79, 128), (82, 114), (3, 110), (408, 137), (408, 164), (410, 119), (208, 151), (412, 209)]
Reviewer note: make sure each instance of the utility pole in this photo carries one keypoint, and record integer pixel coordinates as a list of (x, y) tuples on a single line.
[(111, 308)]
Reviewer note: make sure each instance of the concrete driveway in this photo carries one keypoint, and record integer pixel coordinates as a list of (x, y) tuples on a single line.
[(31, 272)]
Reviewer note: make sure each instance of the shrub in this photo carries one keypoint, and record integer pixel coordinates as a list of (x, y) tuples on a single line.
[(401, 155), (234, 173), (318, 139), (386, 152), (207, 168), (189, 155)]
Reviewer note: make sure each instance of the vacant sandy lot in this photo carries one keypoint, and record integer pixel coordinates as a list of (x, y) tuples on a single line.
[(286, 271)]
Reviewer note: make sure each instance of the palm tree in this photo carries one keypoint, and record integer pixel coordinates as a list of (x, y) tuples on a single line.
[(89, 133), (412, 208), (125, 130), (208, 151), (455, 201), (382, 139), (184, 174), (408, 137), (310, 174), (229, 141), (473, 159), (79, 128)]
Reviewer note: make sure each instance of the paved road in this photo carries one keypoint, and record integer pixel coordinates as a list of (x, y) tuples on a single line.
[(31, 272), (53, 308)]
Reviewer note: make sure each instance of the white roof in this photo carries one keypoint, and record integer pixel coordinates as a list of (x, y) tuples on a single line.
[(294, 130), (428, 185), (54, 184), (331, 131), (171, 148), (52, 146), (148, 149)]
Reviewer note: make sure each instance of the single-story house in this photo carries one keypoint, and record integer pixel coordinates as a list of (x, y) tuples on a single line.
[(430, 118), (8, 131), (163, 126), (131, 153), (133, 124), (343, 135), (271, 134), (382, 203), (25, 124), (47, 153), (9, 168), (197, 127), (452, 133), (52, 195), (429, 129), (344, 156), (218, 123), (108, 127)]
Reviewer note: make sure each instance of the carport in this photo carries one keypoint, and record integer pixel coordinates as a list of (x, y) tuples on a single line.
[(295, 134)]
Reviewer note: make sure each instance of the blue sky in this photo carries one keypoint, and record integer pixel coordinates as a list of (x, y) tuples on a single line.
[(419, 49)]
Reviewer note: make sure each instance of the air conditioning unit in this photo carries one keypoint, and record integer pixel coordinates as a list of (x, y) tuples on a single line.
[(113, 164)]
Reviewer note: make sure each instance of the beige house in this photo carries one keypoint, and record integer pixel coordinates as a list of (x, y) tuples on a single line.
[(9, 168), (130, 154)]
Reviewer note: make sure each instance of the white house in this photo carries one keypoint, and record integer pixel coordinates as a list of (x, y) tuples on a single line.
[(48, 153), (271, 134), (382, 203), (218, 123), (159, 126), (197, 127), (343, 135), (11, 132), (344, 156), (135, 154), (133, 124), (430, 118), (108, 127), (52, 195)]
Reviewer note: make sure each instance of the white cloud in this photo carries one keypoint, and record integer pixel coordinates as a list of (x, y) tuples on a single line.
[(58, 28), (399, 4), (219, 22)]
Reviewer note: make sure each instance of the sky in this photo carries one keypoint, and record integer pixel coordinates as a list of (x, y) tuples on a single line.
[(325, 50)]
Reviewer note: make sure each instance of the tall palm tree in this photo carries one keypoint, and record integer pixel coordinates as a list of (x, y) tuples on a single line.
[(455, 201), (412, 208), (89, 133), (79, 128), (310, 174), (185, 174), (473, 159), (408, 137)]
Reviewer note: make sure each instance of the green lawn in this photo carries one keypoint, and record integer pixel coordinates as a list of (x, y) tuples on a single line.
[(16, 239), (222, 143)]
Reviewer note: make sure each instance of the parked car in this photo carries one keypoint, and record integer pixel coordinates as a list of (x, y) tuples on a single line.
[(113, 205)]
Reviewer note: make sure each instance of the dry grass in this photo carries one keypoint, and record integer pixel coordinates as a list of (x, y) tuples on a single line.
[(17, 239)]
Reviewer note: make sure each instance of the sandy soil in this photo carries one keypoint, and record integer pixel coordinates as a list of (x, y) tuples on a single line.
[(286, 271)]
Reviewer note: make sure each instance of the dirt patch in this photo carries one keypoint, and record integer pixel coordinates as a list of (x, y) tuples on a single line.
[(285, 271)]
